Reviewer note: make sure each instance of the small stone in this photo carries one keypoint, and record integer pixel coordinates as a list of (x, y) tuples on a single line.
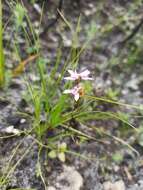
[(116, 168), (140, 182), (51, 188), (22, 121), (67, 41), (118, 185), (12, 130), (91, 5), (34, 78), (38, 9), (87, 12), (72, 178)]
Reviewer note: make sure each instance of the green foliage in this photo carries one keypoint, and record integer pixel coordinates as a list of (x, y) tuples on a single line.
[(113, 94), (92, 30), (140, 136), (2, 64), (54, 110), (45, 102), (117, 157), (19, 13), (59, 153), (48, 100)]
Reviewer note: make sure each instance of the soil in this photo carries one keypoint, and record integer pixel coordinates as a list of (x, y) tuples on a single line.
[(78, 172)]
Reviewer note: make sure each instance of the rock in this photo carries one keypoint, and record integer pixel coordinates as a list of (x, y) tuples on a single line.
[(50, 188), (118, 185), (12, 130), (22, 120), (69, 179), (135, 187)]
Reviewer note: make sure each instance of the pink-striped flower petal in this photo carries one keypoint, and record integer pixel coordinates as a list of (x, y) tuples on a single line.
[(74, 91), (75, 76)]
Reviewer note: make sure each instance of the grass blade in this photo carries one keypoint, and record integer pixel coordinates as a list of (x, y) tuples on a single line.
[(2, 75)]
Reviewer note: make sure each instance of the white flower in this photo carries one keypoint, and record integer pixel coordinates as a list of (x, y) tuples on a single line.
[(76, 91), (76, 76)]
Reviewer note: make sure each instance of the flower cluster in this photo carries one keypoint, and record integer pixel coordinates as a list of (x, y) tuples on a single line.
[(77, 91)]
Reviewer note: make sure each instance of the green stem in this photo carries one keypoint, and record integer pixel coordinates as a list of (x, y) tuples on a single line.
[(2, 76)]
